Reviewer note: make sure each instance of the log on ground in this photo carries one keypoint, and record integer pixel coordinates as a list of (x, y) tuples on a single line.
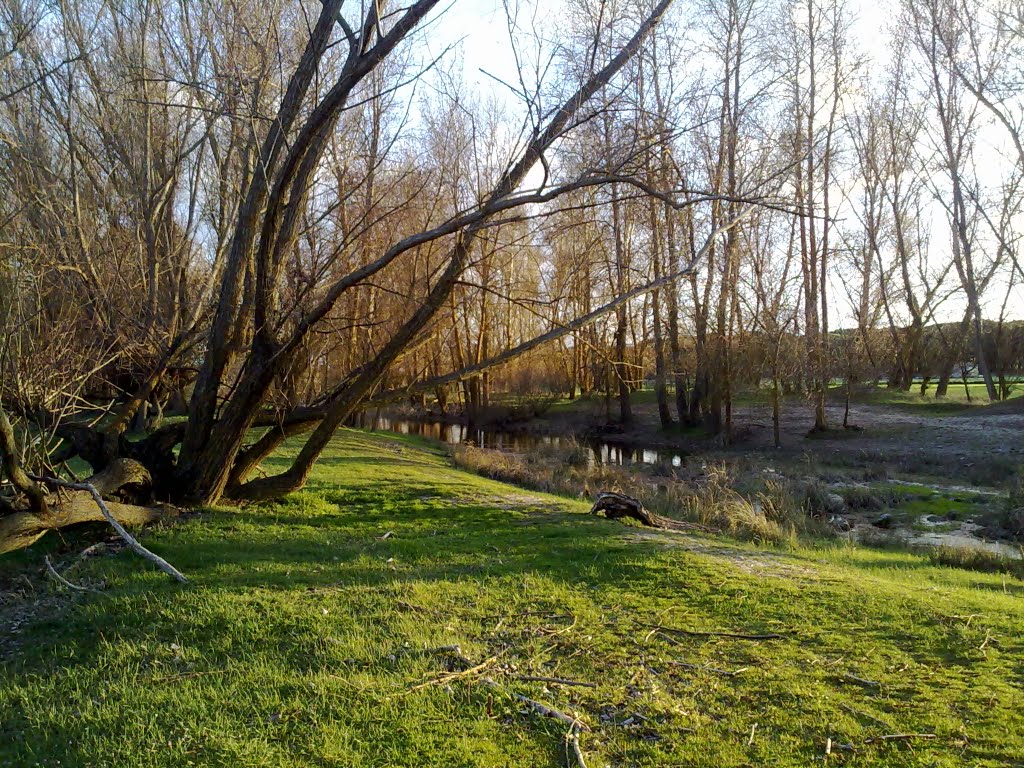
[(617, 506), (123, 485)]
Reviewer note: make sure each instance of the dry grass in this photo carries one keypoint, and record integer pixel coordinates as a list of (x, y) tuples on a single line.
[(769, 508), (1012, 518), (975, 559)]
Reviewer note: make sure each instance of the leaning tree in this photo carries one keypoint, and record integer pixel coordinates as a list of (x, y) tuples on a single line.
[(295, 178)]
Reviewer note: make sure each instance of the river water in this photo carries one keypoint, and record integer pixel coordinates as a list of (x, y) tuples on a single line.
[(599, 451)]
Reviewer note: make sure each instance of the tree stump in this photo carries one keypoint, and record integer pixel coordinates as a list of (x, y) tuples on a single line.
[(617, 506)]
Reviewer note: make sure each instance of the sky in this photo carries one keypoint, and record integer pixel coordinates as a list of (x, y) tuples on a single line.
[(479, 30)]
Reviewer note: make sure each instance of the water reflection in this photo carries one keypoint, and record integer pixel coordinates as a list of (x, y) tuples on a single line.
[(600, 452)]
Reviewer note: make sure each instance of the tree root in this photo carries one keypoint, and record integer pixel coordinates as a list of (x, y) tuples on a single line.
[(123, 480), (617, 505)]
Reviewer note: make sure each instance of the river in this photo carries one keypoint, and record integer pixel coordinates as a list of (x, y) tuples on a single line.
[(600, 451)]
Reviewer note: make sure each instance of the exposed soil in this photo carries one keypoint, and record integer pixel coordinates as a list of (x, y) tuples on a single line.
[(976, 447)]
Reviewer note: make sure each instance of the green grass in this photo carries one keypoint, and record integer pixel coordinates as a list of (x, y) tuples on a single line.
[(297, 641), (913, 401)]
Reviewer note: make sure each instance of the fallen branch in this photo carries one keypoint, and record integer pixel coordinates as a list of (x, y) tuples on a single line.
[(572, 739), (545, 711), (132, 542), (449, 676), (61, 580), (541, 709)]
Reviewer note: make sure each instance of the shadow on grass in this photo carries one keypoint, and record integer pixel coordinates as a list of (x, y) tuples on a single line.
[(273, 586), (260, 577)]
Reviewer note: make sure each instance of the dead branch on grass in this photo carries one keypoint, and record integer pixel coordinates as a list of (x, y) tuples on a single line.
[(132, 542), (61, 580), (447, 677), (860, 680), (572, 739)]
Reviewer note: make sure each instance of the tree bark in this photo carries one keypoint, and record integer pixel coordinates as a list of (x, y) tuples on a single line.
[(123, 478)]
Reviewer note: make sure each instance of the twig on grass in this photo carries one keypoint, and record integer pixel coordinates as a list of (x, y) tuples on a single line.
[(61, 580), (545, 711), (899, 737), (132, 542), (447, 677), (860, 680), (572, 739)]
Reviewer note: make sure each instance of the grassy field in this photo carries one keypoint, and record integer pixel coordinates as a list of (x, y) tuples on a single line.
[(911, 401), (310, 634)]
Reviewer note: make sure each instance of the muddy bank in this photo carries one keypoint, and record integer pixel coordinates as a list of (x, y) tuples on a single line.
[(982, 446)]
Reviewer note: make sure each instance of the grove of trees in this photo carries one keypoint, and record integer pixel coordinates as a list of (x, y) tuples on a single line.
[(225, 224)]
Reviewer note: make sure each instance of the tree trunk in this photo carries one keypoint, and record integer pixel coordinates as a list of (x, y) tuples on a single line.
[(122, 479)]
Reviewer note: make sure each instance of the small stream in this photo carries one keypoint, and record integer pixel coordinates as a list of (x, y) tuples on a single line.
[(600, 451), (968, 535)]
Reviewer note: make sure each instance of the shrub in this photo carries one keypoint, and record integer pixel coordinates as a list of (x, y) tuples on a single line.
[(862, 497), (815, 499)]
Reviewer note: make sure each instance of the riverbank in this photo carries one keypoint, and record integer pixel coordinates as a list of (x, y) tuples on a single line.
[(892, 434), (908, 474), (401, 612)]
